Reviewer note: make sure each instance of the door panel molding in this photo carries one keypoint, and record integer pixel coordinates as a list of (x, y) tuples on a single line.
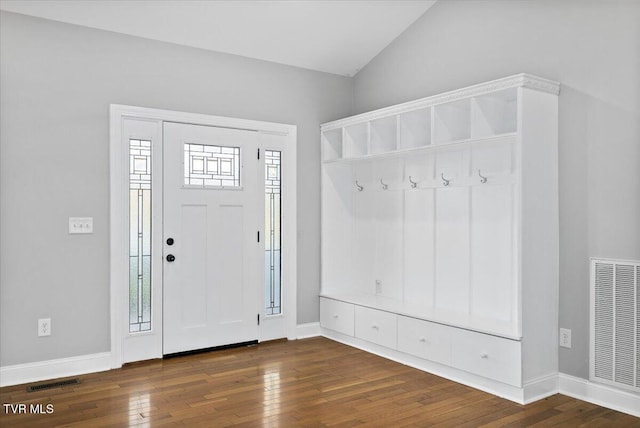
[(138, 346)]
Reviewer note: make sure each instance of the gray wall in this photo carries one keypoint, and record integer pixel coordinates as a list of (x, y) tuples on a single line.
[(57, 82), (593, 49)]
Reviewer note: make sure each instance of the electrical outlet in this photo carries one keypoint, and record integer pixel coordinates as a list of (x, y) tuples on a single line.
[(565, 338), (44, 327)]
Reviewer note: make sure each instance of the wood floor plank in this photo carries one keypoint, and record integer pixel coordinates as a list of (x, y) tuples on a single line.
[(306, 383)]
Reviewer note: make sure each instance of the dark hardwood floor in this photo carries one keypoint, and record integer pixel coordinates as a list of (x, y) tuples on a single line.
[(306, 383)]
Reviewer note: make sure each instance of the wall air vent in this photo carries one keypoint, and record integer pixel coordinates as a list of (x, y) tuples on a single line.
[(615, 323)]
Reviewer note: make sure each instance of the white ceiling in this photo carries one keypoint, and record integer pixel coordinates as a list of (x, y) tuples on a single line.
[(334, 36)]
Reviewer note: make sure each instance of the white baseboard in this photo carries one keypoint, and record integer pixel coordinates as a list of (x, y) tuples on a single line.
[(83, 364), (53, 369), (311, 329), (602, 395), (540, 388)]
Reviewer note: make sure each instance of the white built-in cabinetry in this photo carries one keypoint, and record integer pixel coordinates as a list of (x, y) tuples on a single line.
[(440, 234)]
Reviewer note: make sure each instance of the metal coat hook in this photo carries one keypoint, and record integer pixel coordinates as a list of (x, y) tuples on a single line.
[(359, 187), (413, 183), (483, 179), (384, 186), (444, 180)]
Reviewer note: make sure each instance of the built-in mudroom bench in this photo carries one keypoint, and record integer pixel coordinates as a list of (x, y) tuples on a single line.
[(440, 235)]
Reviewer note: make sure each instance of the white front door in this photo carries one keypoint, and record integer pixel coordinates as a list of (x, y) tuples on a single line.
[(213, 215)]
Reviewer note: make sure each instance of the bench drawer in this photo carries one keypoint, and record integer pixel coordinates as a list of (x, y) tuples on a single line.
[(336, 315), (376, 326), (493, 357)]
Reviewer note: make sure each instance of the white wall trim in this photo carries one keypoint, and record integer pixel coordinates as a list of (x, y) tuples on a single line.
[(540, 388), (311, 329), (53, 369), (602, 395)]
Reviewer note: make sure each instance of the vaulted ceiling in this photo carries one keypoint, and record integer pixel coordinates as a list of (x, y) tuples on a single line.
[(334, 36)]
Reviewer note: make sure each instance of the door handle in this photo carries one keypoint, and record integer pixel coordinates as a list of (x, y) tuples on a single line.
[(171, 257)]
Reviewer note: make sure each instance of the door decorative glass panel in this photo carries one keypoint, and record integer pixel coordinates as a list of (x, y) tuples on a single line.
[(211, 166), (272, 217), (139, 235)]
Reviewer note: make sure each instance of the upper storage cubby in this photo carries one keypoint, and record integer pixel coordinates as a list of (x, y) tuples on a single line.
[(356, 140), (415, 129), (384, 135), (494, 113), (332, 144), (478, 112), (452, 122)]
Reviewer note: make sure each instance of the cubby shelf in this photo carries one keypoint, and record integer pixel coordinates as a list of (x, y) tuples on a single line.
[(469, 114), (423, 149)]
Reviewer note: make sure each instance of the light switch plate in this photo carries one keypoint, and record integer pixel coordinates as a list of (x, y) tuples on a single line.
[(80, 225)]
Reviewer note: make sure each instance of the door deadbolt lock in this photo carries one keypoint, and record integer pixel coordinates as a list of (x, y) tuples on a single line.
[(170, 241), (171, 257)]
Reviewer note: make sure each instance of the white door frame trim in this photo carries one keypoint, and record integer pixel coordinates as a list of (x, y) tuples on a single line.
[(119, 188)]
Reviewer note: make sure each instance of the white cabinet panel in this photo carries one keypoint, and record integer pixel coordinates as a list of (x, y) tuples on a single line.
[(425, 339), (452, 249), (336, 223), (419, 243), (337, 316), (489, 356), (388, 247), (492, 248), (420, 168), (363, 241), (492, 159), (376, 326), (450, 164)]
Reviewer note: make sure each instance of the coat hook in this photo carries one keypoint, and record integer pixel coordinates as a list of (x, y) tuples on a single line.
[(444, 180), (384, 186), (483, 179), (359, 187), (413, 183)]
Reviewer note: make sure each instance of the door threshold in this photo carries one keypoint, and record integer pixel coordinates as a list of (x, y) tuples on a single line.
[(213, 348)]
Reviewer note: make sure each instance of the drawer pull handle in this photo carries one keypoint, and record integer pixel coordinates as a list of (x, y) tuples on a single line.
[(375, 327), (423, 339), (484, 356), (335, 315)]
